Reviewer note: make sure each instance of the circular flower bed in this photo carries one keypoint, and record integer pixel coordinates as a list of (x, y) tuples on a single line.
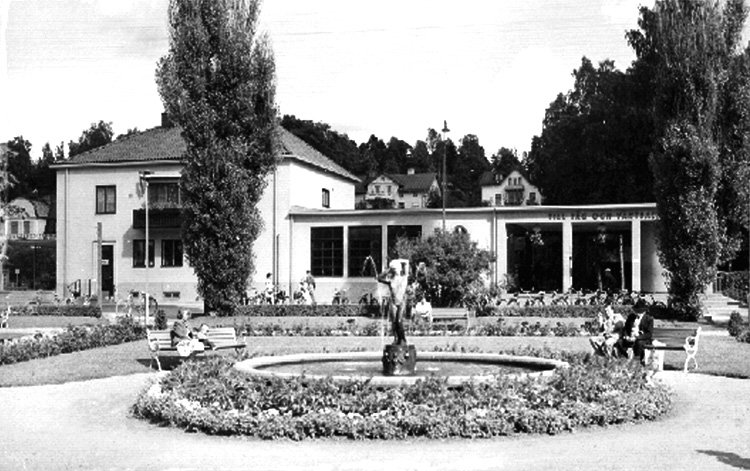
[(212, 397)]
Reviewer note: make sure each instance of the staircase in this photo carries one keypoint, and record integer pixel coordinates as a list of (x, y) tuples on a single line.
[(718, 307)]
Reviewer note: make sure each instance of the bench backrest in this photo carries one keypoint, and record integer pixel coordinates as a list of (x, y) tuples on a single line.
[(216, 335), (676, 335)]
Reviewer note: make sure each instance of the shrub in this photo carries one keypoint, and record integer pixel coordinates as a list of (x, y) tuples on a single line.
[(214, 398), (65, 310), (744, 336), (72, 339), (160, 320), (736, 324)]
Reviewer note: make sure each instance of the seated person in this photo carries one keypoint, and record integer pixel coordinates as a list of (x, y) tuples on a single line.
[(638, 332), (183, 337), (202, 336), (610, 327), (423, 309)]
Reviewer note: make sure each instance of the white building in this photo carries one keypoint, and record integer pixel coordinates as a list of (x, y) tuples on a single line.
[(311, 223), (411, 190), (513, 189)]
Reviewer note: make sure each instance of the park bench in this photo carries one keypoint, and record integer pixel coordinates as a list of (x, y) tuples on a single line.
[(451, 314), (221, 338), (673, 338)]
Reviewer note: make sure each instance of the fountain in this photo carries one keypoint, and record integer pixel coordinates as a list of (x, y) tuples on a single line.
[(399, 359)]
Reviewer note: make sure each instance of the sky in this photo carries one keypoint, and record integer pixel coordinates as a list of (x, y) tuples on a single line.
[(386, 67)]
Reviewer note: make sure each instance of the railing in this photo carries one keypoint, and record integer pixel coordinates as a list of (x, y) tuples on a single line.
[(31, 236), (166, 218)]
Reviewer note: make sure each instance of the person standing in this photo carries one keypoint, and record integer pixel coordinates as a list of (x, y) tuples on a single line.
[(310, 281), (268, 291)]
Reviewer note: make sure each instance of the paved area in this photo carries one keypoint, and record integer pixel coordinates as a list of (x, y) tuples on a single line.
[(86, 425)]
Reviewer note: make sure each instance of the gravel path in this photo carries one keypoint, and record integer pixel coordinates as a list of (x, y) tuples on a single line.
[(86, 425)]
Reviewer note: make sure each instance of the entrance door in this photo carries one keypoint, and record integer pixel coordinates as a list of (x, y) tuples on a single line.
[(108, 271)]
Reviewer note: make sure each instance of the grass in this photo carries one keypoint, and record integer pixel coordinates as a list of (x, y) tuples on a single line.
[(717, 355)]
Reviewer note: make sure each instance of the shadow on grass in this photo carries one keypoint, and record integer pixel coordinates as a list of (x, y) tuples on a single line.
[(731, 459)]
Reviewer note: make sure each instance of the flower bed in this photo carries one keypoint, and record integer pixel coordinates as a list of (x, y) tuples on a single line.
[(500, 328), (72, 339), (214, 398)]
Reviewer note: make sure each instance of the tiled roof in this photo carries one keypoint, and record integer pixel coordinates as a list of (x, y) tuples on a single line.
[(166, 143), (414, 183)]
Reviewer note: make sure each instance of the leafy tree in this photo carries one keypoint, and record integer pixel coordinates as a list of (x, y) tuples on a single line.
[(218, 83), (454, 263), (505, 161), (20, 168), (97, 135), (337, 147), (468, 169), (596, 140), (690, 50)]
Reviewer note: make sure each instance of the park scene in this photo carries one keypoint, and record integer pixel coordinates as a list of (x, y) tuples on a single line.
[(239, 289)]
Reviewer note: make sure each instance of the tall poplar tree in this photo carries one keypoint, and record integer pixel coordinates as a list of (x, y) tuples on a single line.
[(691, 50), (218, 83)]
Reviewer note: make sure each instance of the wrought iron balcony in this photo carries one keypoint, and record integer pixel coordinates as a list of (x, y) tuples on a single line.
[(158, 218)]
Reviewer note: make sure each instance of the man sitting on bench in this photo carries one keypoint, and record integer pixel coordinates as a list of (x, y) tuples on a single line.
[(638, 331)]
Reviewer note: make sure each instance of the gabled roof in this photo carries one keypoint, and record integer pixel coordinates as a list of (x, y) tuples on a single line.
[(166, 143), (415, 182), (490, 178)]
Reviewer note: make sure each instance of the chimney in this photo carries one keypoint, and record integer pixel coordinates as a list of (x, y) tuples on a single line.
[(410, 171), (165, 121)]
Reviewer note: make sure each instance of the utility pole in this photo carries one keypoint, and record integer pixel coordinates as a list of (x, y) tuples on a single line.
[(445, 144)]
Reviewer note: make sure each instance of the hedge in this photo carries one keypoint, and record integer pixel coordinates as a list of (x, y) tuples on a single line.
[(72, 339), (63, 310), (303, 310), (214, 398)]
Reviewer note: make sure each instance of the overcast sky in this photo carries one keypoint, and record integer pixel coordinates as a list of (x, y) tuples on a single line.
[(386, 67)]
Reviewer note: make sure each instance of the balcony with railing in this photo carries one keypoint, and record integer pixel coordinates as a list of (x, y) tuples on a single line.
[(158, 218)]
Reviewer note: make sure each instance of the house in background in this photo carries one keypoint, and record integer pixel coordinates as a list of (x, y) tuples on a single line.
[(29, 220), (400, 191), (107, 186), (513, 189)]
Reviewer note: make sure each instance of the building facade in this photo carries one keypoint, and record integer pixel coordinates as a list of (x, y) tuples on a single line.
[(310, 223), (513, 189), (411, 190)]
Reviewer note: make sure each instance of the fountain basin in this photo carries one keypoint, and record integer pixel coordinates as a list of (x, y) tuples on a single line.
[(456, 368)]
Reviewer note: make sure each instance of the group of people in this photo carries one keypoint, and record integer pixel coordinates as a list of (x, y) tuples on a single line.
[(618, 337), (187, 339)]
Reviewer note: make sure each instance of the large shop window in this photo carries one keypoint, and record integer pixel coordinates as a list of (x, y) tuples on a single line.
[(365, 254), (139, 253), (327, 251), (401, 232), (106, 199), (171, 253)]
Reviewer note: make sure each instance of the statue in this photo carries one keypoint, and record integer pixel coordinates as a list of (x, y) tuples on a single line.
[(398, 358), (397, 281)]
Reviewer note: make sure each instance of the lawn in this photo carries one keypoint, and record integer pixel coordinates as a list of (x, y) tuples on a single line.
[(718, 354)]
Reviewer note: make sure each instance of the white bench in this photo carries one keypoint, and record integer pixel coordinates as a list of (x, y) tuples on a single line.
[(676, 339), (221, 338)]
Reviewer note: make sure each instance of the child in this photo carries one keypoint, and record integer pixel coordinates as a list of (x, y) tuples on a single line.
[(202, 336)]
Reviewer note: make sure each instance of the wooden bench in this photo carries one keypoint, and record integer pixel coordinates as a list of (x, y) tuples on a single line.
[(673, 338), (221, 338), (450, 314)]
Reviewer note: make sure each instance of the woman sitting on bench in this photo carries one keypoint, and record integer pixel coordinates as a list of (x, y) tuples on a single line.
[(183, 337)]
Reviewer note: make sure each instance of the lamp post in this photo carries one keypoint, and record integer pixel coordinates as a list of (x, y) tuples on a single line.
[(445, 143), (144, 180)]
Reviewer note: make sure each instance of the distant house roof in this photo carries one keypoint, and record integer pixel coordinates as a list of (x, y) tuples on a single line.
[(166, 143), (414, 183), (490, 178), (30, 209)]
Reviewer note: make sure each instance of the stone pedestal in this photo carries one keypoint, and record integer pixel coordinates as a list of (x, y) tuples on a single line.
[(399, 360)]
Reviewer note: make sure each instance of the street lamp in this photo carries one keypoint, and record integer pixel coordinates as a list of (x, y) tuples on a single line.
[(143, 176), (445, 144)]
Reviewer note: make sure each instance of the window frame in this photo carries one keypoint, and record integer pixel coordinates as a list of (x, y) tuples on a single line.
[(326, 197), (103, 205), (356, 249), (139, 253), (170, 254), (327, 251)]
